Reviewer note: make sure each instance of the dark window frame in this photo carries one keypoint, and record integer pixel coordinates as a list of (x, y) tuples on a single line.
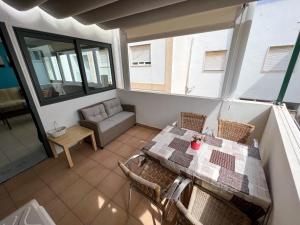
[(21, 33), (97, 44), (24, 87)]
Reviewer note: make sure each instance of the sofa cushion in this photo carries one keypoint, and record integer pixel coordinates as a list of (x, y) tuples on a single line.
[(112, 106), (114, 120), (95, 113)]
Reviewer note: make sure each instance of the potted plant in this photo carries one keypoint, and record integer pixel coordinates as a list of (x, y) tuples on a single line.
[(196, 141)]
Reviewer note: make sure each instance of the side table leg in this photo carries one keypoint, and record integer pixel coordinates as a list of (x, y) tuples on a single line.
[(94, 142), (52, 145), (68, 155)]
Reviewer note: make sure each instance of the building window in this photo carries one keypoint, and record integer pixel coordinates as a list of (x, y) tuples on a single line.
[(215, 60), (54, 65), (140, 55), (277, 58), (181, 64)]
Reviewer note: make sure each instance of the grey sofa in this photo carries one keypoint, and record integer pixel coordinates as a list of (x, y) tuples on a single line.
[(107, 119)]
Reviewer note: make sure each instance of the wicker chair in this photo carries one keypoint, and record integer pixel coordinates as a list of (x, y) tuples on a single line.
[(207, 209), (152, 180), (238, 132), (193, 121)]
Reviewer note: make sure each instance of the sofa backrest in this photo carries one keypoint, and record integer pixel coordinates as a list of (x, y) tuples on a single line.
[(112, 106), (9, 94), (81, 116)]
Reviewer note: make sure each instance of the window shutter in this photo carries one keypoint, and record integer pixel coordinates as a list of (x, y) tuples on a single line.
[(277, 58), (215, 60), (140, 53)]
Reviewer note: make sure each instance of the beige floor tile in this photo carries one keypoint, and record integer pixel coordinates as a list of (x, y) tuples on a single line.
[(27, 190), (73, 194), (123, 138), (136, 142), (147, 213), (118, 171), (51, 173), (133, 130), (45, 165), (111, 184), (56, 209), (111, 214), (69, 219), (43, 196), (96, 175), (63, 181), (84, 166), (112, 161), (19, 180), (121, 198), (7, 207), (89, 207), (124, 150), (113, 145), (102, 155)]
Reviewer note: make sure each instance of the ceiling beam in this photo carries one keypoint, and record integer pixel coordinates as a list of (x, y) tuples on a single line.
[(65, 8), (121, 9), (169, 12), (23, 5)]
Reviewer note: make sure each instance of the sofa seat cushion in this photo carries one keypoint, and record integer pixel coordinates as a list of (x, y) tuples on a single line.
[(115, 120), (113, 106), (95, 113)]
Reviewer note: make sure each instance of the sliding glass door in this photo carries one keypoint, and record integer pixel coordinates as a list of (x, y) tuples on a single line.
[(21, 141)]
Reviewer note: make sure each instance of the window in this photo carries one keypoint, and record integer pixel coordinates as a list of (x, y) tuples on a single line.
[(55, 66), (140, 55), (277, 58), (97, 65), (181, 64), (215, 60)]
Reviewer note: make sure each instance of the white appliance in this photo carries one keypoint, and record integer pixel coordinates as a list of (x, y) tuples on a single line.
[(29, 214)]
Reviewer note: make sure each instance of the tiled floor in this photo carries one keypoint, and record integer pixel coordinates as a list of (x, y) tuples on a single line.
[(93, 192)]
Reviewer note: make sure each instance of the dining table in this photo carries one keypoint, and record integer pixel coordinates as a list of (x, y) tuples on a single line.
[(229, 169)]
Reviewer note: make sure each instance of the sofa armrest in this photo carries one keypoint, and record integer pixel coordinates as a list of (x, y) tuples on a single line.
[(128, 108), (89, 124)]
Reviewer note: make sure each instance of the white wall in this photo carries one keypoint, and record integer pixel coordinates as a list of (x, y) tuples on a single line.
[(154, 73), (159, 110), (274, 23), (64, 112), (200, 82), (279, 150)]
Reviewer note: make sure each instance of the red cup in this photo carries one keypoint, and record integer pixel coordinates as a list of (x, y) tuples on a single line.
[(195, 145)]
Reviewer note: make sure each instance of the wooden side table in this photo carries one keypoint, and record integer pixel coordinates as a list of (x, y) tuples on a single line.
[(72, 136)]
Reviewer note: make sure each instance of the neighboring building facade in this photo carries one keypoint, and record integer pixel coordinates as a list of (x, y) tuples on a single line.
[(195, 64)]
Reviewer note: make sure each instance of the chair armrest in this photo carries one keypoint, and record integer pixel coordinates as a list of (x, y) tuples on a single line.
[(181, 188), (128, 108)]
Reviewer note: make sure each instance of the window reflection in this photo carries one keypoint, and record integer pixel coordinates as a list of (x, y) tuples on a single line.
[(97, 66), (56, 66)]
